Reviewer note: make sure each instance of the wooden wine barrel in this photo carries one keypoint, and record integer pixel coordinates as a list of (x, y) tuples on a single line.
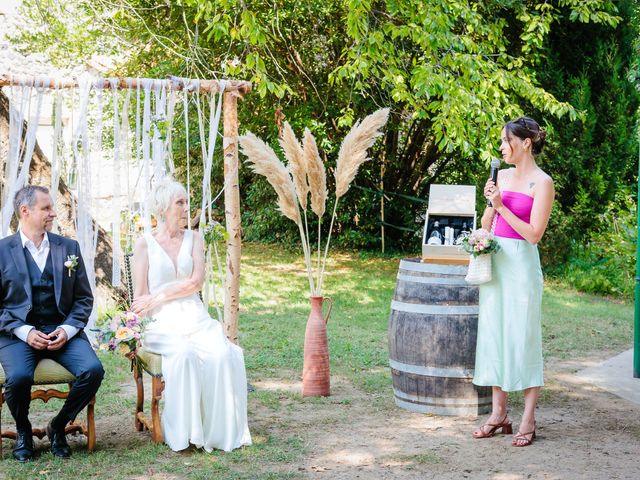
[(432, 341)]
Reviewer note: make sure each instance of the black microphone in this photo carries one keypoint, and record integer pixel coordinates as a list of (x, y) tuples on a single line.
[(495, 165)]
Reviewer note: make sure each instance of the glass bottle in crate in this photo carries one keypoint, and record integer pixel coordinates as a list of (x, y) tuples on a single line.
[(465, 232), (436, 237)]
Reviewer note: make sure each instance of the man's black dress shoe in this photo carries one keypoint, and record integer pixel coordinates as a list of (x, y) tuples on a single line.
[(59, 446), (23, 452)]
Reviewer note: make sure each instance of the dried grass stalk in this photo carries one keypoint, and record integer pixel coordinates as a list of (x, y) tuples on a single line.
[(316, 174), (353, 151), (297, 165), (264, 161)]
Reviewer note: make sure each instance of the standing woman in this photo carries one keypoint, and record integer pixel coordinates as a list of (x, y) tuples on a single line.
[(509, 347)]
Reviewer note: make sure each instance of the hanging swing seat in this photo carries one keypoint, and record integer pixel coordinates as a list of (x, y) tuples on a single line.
[(49, 373)]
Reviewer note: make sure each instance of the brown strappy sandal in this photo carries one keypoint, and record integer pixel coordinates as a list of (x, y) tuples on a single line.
[(504, 426), (522, 437)]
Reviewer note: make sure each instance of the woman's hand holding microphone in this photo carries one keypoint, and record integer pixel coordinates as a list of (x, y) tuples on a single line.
[(492, 194)]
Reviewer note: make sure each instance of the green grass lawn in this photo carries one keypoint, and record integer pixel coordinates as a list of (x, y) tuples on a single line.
[(274, 309)]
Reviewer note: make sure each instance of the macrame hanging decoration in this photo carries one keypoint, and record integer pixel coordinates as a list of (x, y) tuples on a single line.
[(141, 155)]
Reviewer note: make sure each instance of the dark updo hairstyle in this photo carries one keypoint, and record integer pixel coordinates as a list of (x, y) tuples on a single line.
[(525, 127)]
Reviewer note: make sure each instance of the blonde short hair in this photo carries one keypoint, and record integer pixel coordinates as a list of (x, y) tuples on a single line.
[(164, 192)]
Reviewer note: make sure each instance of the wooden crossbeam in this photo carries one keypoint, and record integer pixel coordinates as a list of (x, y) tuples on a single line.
[(176, 83)]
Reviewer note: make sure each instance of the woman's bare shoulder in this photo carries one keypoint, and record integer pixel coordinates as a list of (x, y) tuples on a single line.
[(544, 178), (141, 245)]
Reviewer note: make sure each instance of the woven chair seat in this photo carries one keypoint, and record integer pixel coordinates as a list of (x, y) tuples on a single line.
[(151, 362), (47, 372)]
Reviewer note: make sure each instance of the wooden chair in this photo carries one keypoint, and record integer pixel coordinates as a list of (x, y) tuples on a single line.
[(151, 363), (49, 372)]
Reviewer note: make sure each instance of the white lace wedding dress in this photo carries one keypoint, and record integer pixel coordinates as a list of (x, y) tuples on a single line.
[(205, 398)]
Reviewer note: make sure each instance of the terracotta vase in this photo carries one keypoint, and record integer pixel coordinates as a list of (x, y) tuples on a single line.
[(315, 372)]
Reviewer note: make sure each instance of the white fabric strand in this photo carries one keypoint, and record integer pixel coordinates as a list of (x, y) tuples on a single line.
[(126, 162), (158, 145), (146, 155), (117, 154), (185, 105), (86, 229), (57, 154), (171, 109)]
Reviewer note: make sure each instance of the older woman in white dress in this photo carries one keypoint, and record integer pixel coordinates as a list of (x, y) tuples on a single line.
[(206, 391)]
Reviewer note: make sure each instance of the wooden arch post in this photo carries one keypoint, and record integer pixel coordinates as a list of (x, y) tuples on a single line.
[(232, 215)]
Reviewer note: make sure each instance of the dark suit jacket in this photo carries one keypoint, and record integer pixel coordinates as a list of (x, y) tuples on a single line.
[(73, 293)]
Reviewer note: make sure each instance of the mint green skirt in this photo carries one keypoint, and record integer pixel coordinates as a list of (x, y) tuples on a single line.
[(509, 346)]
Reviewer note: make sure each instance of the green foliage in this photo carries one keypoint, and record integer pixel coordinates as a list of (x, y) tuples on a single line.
[(594, 158), (606, 263), (261, 218), (451, 73), (214, 232)]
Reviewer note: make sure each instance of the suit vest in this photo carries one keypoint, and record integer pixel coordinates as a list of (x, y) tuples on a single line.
[(45, 309)]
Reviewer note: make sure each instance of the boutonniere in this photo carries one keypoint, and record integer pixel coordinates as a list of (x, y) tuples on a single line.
[(71, 263)]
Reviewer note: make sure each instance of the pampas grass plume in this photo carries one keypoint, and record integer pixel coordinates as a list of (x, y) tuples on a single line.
[(316, 174), (264, 161), (353, 151), (297, 165)]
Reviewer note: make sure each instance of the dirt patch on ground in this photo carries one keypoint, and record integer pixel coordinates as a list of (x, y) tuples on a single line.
[(583, 433)]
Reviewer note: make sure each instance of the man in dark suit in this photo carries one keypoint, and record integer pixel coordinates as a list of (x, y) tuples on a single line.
[(45, 302)]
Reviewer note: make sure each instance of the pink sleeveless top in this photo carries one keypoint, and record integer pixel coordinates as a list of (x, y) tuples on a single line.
[(520, 204)]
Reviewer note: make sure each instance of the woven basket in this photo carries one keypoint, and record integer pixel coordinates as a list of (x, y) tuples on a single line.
[(479, 269)]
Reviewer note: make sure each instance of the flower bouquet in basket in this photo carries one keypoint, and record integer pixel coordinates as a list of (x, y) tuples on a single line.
[(480, 244), (122, 334)]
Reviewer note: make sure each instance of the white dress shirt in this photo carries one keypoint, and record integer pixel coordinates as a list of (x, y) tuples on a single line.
[(39, 255)]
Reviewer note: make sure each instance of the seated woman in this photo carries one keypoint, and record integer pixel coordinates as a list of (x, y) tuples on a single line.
[(206, 387)]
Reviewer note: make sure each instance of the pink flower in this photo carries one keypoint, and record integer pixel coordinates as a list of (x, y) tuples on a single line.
[(115, 323)]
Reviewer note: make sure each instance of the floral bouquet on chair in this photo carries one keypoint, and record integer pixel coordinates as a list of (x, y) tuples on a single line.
[(122, 334), (479, 244)]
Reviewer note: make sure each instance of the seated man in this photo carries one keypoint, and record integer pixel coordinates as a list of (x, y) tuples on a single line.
[(45, 302)]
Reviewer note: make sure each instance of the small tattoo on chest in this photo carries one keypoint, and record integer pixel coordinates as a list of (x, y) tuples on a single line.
[(531, 184)]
